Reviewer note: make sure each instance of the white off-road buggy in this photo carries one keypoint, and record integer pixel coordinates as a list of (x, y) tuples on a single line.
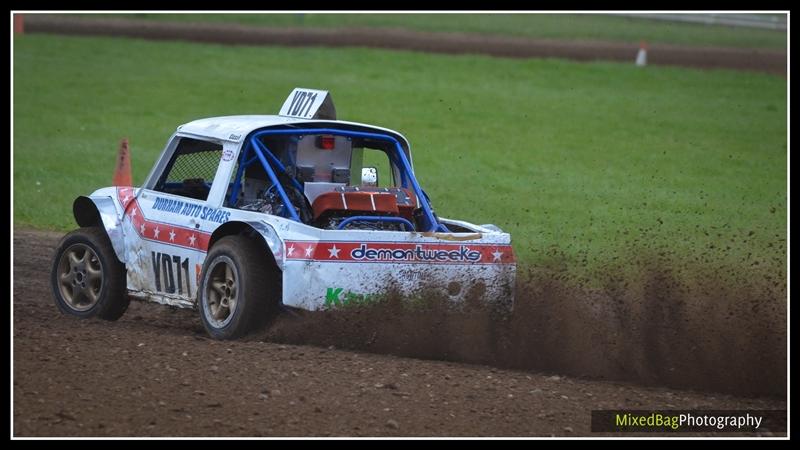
[(244, 215)]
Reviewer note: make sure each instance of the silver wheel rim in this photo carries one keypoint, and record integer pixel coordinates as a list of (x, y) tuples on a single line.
[(221, 292), (80, 277)]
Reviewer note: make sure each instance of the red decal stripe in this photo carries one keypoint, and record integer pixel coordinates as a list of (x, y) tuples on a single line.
[(397, 252), (159, 231)]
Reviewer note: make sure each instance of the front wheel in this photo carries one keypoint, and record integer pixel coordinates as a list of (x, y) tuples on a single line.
[(87, 278), (237, 288)]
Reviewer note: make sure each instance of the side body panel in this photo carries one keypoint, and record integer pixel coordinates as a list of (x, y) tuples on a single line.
[(167, 236), (166, 242)]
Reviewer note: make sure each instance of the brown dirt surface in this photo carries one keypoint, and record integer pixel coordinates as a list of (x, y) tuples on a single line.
[(155, 373), (771, 61)]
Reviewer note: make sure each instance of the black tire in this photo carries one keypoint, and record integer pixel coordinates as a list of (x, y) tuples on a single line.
[(238, 288), (87, 279)]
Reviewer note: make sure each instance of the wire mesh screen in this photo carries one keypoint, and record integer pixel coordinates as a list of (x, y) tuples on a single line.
[(202, 164)]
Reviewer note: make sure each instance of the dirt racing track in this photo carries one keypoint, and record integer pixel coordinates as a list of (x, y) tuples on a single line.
[(155, 373), (771, 61)]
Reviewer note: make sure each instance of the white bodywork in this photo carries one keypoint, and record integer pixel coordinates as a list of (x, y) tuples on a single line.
[(163, 239)]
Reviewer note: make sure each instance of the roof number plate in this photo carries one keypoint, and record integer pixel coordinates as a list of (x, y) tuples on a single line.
[(309, 104)]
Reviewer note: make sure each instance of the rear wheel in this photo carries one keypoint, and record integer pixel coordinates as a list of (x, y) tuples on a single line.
[(237, 288), (87, 279)]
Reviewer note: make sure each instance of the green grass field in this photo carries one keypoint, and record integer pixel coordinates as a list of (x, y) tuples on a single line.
[(548, 26), (573, 159)]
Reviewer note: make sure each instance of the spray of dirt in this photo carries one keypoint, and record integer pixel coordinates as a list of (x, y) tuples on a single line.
[(649, 320)]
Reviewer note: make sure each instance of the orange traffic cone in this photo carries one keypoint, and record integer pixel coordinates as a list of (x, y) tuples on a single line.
[(122, 173), (19, 26), (641, 57)]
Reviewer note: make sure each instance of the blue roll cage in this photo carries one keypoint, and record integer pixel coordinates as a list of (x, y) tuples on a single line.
[(267, 159)]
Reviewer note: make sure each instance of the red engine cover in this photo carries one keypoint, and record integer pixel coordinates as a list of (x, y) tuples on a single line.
[(383, 203)]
